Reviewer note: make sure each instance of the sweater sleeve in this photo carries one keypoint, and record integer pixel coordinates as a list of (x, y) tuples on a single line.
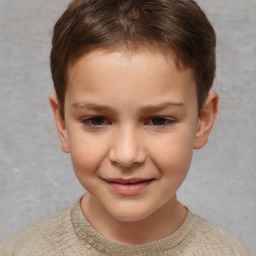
[(8, 248), (238, 248)]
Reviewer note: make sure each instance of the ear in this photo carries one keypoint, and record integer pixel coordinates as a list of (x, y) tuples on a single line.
[(206, 120), (60, 122)]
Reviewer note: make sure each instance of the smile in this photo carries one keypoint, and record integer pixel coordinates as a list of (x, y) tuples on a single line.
[(128, 187)]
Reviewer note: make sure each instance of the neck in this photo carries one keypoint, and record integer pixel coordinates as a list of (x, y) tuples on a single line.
[(158, 225)]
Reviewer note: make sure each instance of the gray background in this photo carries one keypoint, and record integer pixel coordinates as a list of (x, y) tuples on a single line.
[(36, 178)]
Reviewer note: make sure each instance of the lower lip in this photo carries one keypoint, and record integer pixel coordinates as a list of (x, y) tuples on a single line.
[(129, 189)]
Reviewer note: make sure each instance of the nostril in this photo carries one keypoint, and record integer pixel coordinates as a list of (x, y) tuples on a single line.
[(127, 163)]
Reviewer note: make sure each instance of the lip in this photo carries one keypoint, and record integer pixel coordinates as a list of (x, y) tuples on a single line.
[(128, 186)]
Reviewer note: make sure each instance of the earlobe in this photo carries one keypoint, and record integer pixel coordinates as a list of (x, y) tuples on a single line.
[(60, 122), (206, 120)]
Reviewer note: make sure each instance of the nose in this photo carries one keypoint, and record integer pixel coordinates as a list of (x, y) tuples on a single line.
[(126, 150)]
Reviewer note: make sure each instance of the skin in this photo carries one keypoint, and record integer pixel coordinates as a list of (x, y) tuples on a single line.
[(132, 116)]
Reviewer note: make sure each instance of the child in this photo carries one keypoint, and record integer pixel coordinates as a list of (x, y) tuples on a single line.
[(132, 81)]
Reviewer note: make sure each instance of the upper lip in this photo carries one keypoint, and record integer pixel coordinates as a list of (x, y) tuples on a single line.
[(127, 181)]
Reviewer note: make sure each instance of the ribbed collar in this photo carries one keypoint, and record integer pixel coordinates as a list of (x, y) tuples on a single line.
[(171, 244)]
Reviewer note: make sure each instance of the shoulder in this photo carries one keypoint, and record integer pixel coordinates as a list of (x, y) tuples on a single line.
[(212, 238), (42, 238)]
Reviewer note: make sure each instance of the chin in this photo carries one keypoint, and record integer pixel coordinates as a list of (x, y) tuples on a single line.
[(130, 215)]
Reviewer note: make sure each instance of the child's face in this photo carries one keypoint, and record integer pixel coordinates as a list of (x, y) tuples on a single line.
[(131, 123)]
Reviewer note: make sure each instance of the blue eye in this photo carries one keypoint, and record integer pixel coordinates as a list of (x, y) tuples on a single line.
[(95, 121)]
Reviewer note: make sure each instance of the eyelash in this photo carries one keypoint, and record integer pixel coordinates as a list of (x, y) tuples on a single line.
[(163, 120), (89, 121), (104, 121)]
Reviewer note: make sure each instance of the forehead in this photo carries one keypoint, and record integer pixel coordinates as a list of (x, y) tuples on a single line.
[(126, 53), (134, 76)]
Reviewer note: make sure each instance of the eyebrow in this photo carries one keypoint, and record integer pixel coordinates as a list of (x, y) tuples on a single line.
[(90, 106), (160, 107), (144, 109)]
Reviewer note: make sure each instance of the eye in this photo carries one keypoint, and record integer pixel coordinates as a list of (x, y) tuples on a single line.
[(160, 121), (95, 121)]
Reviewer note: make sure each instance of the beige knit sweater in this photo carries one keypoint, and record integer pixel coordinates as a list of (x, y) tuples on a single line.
[(69, 233)]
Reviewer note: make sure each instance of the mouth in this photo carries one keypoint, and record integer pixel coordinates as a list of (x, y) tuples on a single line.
[(128, 186)]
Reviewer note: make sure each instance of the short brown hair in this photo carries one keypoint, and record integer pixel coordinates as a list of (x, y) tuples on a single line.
[(177, 26)]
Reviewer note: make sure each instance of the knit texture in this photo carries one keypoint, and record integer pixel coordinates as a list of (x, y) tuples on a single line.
[(69, 233)]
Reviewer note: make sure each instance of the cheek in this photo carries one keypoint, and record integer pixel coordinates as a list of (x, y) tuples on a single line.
[(86, 154), (173, 154)]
